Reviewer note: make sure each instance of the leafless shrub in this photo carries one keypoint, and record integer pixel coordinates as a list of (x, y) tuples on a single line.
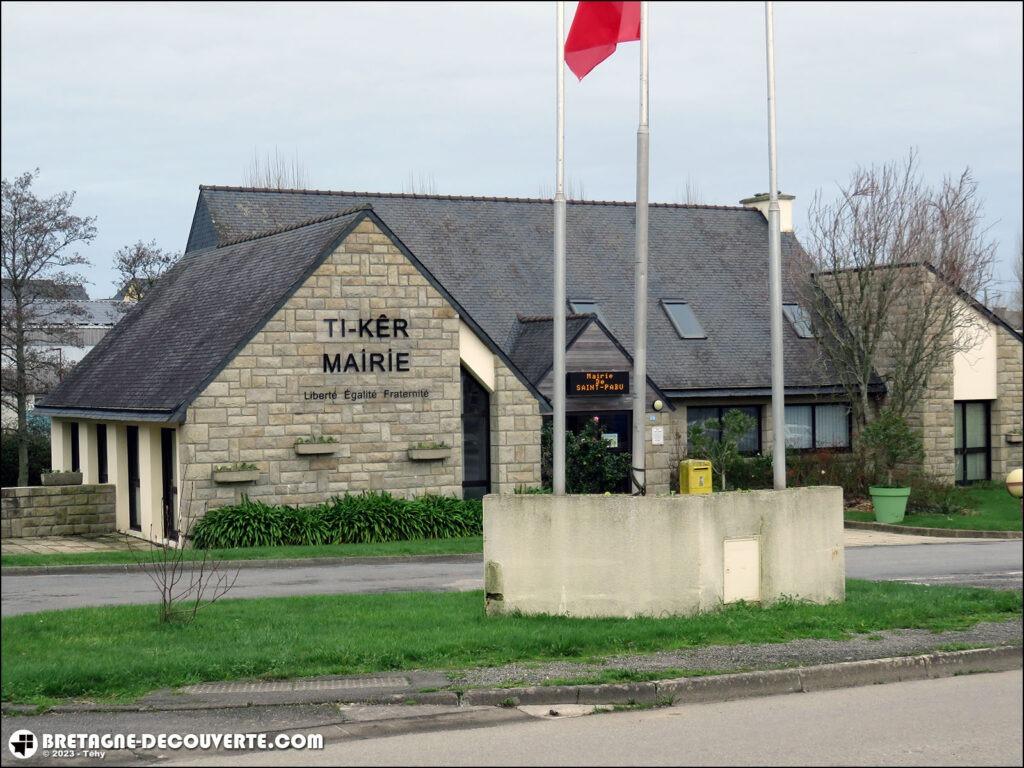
[(185, 582), (892, 266), (274, 171)]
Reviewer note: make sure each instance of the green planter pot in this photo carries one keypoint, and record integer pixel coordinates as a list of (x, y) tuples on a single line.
[(890, 503)]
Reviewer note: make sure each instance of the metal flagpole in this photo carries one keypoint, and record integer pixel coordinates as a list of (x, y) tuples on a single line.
[(775, 273), (558, 315), (639, 476)]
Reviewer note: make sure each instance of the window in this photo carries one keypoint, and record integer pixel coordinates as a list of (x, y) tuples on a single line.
[(134, 484), (101, 453), (800, 319), (583, 306), (683, 319), (971, 445), (750, 443), (818, 426), (76, 456)]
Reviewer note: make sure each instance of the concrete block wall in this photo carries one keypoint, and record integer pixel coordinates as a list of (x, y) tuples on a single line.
[(58, 510), (596, 555)]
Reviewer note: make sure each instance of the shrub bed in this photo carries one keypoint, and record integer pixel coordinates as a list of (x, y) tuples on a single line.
[(366, 518)]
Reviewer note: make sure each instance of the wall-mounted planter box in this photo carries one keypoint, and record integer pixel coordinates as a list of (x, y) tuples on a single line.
[(228, 476), (429, 454), (1014, 439), (315, 449), (62, 478)]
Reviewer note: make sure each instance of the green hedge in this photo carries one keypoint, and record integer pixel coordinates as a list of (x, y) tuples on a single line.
[(366, 518)]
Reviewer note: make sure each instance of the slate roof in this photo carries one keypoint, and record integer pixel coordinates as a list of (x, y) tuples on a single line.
[(494, 257), (532, 351), (193, 321)]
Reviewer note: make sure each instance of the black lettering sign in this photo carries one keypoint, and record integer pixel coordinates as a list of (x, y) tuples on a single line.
[(596, 383)]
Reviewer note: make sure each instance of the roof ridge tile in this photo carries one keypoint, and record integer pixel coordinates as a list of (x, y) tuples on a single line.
[(465, 198), (297, 225)]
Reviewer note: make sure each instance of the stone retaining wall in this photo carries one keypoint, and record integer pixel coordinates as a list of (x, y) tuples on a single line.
[(57, 510)]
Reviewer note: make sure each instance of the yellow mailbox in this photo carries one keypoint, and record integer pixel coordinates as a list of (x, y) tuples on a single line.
[(695, 476)]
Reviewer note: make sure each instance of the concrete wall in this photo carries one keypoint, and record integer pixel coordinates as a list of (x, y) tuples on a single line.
[(974, 368), (58, 510), (660, 555)]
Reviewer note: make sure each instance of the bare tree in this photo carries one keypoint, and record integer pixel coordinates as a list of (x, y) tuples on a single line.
[(38, 238), (690, 193), (893, 264), (1017, 291), (420, 184), (274, 171), (140, 265)]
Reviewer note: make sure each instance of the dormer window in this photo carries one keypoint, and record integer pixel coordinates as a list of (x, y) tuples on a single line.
[(800, 319), (683, 319)]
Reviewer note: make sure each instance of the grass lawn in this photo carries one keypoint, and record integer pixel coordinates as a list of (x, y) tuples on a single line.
[(991, 508), (458, 546), (121, 652)]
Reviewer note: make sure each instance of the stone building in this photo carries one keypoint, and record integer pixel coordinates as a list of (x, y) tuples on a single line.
[(312, 343)]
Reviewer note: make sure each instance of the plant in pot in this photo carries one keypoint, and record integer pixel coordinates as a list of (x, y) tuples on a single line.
[(890, 445)]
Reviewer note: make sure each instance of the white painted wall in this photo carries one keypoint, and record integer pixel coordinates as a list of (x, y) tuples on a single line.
[(475, 355), (975, 370)]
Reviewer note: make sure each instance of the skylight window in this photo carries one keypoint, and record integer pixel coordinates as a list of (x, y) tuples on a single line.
[(583, 306), (681, 315), (800, 319)]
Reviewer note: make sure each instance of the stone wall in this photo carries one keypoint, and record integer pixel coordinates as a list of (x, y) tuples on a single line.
[(1008, 409), (661, 555), (57, 510), (515, 433), (258, 406)]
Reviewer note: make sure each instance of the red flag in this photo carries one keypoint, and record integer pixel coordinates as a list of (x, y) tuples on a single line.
[(597, 28)]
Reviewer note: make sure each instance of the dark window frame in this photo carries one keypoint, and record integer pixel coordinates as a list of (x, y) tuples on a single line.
[(487, 483), (102, 470), (666, 303), (814, 429), (964, 450), (134, 479), (76, 448), (722, 409)]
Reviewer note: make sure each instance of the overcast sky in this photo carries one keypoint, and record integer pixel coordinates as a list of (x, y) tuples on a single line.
[(135, 105)]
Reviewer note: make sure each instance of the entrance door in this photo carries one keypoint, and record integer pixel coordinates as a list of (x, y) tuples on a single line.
[(134, 488), (616, 428), (170, 491), (476, 438), (972, 445)]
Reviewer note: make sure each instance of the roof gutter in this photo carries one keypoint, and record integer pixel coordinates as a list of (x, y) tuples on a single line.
[(116, 414)]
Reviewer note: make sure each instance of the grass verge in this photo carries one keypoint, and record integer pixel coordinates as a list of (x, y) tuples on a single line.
[(991, 508), (457, 546), (121, 652)]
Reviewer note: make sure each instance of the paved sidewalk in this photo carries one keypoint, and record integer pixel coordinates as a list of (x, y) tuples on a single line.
[(63, 545), (859, 538)]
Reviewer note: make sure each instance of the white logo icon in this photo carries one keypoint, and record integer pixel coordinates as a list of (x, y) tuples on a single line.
[(23, 744)]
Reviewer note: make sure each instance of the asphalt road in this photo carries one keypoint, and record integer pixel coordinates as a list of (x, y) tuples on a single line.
[(995, 563), (971, 720)]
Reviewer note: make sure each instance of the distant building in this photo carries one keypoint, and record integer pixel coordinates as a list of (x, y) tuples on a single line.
[(89, 320)]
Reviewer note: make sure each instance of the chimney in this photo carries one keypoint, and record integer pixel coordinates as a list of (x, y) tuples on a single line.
[(760, 202)]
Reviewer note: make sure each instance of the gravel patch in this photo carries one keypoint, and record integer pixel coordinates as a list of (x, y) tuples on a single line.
[(898, 642)]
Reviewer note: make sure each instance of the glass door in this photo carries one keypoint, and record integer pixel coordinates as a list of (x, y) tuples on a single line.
[(972, 446), (169, 490), (476, 438)]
